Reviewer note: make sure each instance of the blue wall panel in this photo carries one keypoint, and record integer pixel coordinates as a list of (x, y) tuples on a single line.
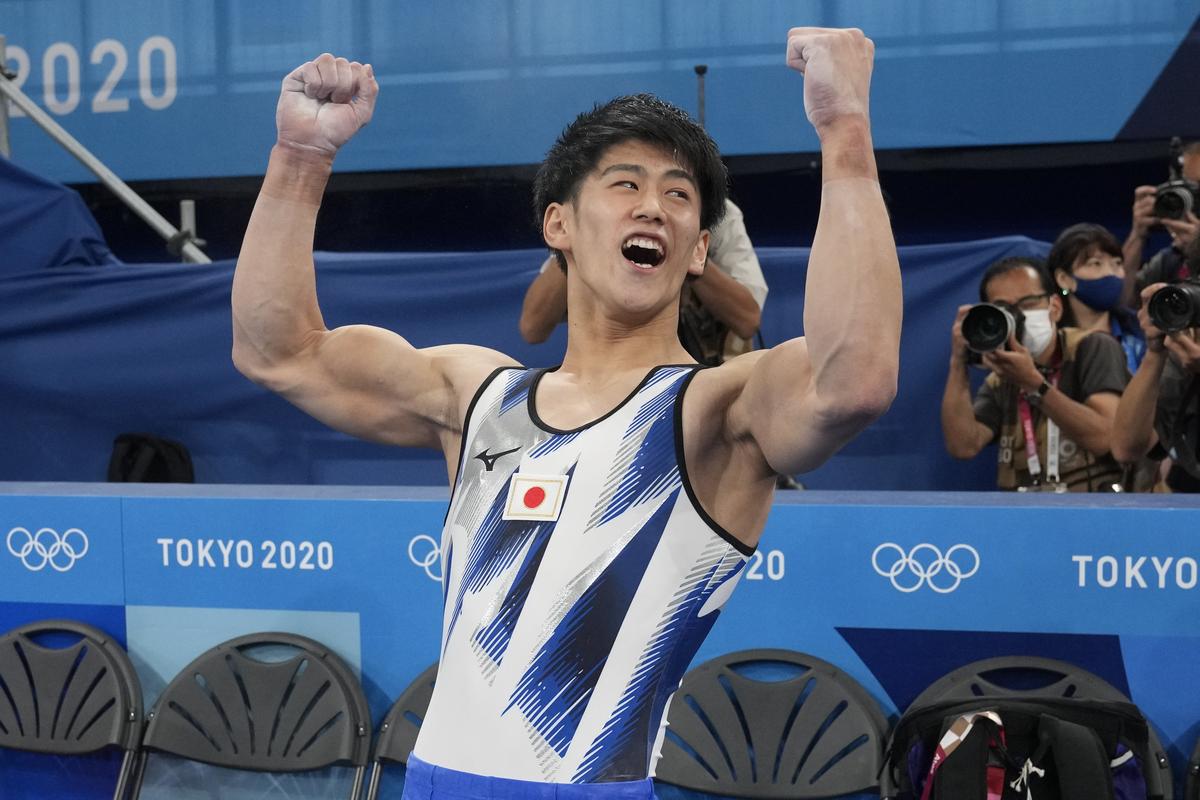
[(895, 589), (187, 89)]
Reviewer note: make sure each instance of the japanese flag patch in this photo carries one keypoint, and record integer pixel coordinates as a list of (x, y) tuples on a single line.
[(535, 497)]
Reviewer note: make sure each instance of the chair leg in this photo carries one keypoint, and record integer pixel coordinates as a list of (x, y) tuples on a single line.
[(128, 762), (373, 786), (356, 788), (138, 775)]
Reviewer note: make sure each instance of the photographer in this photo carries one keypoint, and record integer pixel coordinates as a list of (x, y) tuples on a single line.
[(1152, 207), (1050, 399), (1160, 410)]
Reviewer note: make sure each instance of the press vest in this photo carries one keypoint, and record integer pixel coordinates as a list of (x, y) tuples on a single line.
[(580, 577)]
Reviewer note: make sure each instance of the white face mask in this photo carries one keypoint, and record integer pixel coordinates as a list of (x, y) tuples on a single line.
[(1038, 331)]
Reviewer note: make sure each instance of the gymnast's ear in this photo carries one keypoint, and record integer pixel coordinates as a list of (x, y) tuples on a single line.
[(699, 254), (556, 226)]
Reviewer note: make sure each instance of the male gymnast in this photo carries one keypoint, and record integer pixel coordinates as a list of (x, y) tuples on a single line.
[(602, 510)]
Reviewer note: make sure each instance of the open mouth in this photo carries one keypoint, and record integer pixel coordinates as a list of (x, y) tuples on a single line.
[(642, 251)]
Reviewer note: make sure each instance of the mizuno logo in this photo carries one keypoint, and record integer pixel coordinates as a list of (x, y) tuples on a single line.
[(489, 460)]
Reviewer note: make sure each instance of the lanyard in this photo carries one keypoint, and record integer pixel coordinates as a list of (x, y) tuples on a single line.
[(1052, 440), (1131, 341), (950, 741)]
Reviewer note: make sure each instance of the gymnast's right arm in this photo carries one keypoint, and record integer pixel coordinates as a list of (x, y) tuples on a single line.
[(363, 380)]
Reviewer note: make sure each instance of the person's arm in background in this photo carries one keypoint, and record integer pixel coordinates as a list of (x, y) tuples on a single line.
[(1133, 427), (545, 303), (1089, 423), (727, 300), (732, 287), (1133, 433), (964, 435), (1135, 244)]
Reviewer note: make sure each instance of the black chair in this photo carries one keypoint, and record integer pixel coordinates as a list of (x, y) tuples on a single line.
[(71, 700), (231, 709), (399, 729), (1191, 786), (1029, 676), (816, 734)]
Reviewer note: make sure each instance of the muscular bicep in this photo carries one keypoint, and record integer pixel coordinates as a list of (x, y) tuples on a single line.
[(779, 411), (371, 383)]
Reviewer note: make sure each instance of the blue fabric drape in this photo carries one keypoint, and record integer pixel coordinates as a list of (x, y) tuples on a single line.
[(86, 354), (44, 224)]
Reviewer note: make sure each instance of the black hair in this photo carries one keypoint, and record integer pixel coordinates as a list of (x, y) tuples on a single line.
[(1079, 240), (1004, 265), (639, 117), (1075, 242)]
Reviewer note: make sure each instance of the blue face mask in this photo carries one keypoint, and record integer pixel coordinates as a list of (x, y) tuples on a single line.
[(1100, 294)]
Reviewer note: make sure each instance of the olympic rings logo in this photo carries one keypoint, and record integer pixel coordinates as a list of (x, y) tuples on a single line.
[(431, 561), (47, 546), (927, 566)]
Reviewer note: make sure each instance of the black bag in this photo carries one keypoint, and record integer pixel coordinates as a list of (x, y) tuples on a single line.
[(143, 458), (1048, 748)]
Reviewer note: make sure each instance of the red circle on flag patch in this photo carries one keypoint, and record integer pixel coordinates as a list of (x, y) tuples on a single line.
[(534, 497)]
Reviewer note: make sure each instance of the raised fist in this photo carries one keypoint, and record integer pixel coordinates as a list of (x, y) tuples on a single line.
[(836, 64), (1143, 209), (958, 343), (1154, 337), (324, 102)]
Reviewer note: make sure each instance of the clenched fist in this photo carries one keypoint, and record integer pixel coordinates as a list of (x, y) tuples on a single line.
[(324, 102), (836, 64), (1143, 210)]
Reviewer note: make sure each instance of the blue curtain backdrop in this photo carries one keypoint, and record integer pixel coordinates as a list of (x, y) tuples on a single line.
[(42, 224), (91, 348)]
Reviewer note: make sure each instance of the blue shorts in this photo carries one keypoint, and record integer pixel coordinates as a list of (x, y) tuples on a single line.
[(424, 781)]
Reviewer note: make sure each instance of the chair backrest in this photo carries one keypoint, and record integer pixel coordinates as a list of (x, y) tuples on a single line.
[(231, 709), (1191, 790), (1030, 676), (815, 733), (398, 731), (79, 698)]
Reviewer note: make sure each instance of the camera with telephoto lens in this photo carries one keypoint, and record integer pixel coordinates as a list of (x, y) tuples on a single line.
[(988, 326), (1176, 307), (1178, 196)]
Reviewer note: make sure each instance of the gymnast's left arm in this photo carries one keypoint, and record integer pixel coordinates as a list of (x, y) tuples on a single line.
[(805, 398)]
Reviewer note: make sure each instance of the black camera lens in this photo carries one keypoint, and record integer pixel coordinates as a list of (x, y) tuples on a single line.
[(1175, 308), (987, 327), (1170, 204), (1175, 198)]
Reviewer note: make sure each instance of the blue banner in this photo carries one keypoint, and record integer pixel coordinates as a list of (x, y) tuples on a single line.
[(67, 551), (187, 89), (895, 589)]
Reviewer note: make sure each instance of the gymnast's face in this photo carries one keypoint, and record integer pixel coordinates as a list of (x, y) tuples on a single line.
[(633, 231)]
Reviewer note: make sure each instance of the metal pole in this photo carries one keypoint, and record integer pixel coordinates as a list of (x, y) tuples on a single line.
[(187, 220), (165, 229), (700, 70), (5, 147)]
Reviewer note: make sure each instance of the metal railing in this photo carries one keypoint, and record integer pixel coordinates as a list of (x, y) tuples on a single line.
[(181, 243), (5, 148)]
